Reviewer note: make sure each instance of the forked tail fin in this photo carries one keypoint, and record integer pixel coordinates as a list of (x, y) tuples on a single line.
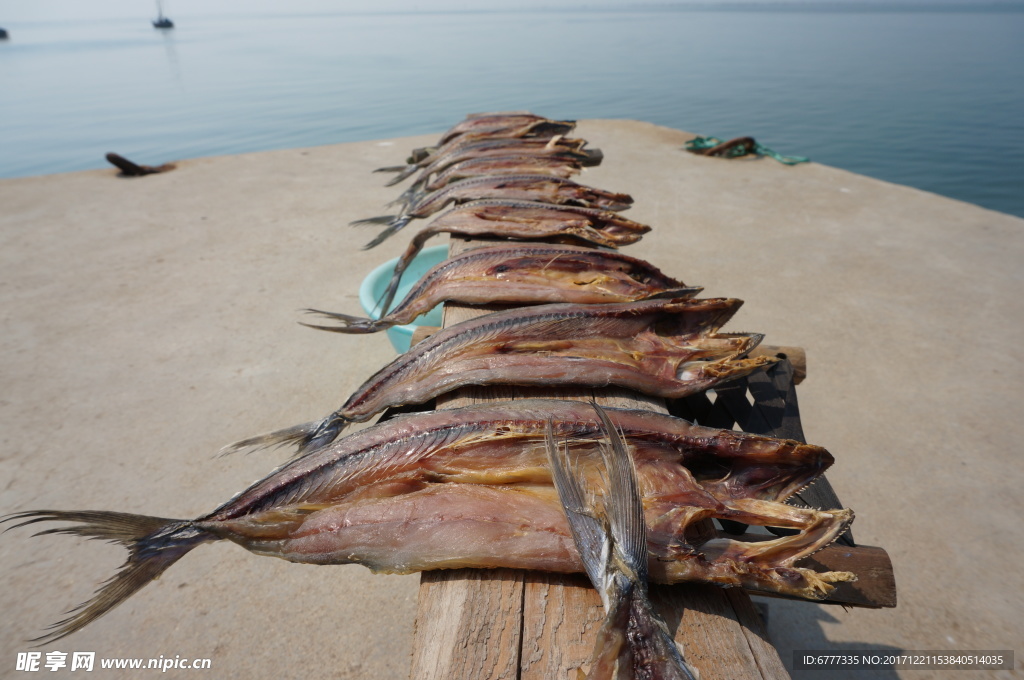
[(307, 437), (402, 175), (154, 544), (349, 324), (394, 226)]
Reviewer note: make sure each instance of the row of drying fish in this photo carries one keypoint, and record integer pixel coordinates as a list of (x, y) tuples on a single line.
[(478, 486)]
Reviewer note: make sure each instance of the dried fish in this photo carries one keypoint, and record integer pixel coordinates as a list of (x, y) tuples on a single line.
[(464, 149), (540, 188), (662, 347), (563, 166), (514, 124), (471, 487), (610, 535), (534, 273), (523, 220)]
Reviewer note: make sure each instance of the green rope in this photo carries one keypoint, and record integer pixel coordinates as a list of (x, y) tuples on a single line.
[(701, 143)]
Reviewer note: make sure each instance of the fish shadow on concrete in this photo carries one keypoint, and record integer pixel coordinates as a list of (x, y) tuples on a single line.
[(798, 626)]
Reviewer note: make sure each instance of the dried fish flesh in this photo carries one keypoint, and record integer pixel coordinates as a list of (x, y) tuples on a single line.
[(471, 487), (534, 273), (610, 535), (541, 188), (662, 347)]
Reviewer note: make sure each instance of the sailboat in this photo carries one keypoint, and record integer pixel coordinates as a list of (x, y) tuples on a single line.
[(161, 20)]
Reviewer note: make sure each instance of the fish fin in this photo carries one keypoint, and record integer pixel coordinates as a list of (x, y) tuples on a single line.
[(308, 437), (652, 646), (392, 168), (380, 219), (388, 296), (349, 323), (624, 506), (393, 227), (154, 544), (587, 530), (401, 176), (409, 196)]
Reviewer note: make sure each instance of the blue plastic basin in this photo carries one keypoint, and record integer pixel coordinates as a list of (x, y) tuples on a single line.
[(373, 287)]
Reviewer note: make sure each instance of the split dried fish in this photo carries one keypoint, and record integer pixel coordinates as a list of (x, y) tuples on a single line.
[(610, 534), (563, 166), (472, 487), (534, 273), (662, 347), (526, 221), (512, 124), (505, 124), (538, 188), (464, 149)]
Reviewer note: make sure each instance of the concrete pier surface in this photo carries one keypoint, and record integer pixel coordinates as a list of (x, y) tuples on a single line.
[(146, 322)]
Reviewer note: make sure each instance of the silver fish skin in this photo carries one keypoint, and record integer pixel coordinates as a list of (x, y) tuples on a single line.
[(610, 534), (471, 487), (535, 273), (541, 188), (661, 347)]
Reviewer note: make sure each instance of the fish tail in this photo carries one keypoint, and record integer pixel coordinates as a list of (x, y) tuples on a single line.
[(401, 176), (380, 219), (614, 552), (392, 168), (655, 650), (394, 226), (407, 197), (153, 543), (623, 504), (349, 324), (306, 437)]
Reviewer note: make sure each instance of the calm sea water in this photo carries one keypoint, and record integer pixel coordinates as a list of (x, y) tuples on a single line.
[(933, 99)]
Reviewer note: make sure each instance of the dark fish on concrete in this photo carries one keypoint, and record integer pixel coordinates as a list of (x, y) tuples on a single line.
[(661, 347), (610, 534), (534, 273), (539, 188), (472, 487)]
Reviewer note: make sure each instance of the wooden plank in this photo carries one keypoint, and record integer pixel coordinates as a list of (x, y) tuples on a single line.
[(560, 614), (468, 624)]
